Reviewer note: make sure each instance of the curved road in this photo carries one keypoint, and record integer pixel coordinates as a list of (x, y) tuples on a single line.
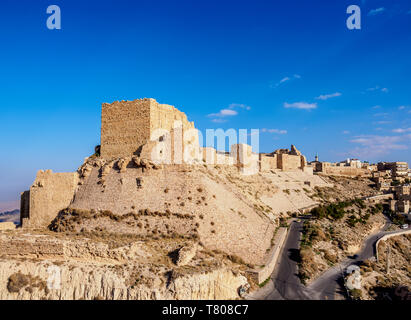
[(328, 285), (285, 283)]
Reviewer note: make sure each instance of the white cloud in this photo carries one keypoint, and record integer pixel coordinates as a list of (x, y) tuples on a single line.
[(374, 12), (378, 88), (286, 79), (239, 106), (374, 145), (402, 130), (381, 122), (346, 132), (376, 107), (381, 114), (277, 131), (224, 113), (230, 111), (219, 120), (328, 96), (301, 105)]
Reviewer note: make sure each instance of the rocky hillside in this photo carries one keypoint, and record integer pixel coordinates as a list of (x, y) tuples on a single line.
[(59, 266), (336, 230), (394, 283), (10, 216), (137, 230), (214, 205)]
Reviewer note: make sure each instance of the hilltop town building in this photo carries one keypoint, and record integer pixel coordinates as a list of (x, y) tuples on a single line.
[(398, 169), (402, 200)]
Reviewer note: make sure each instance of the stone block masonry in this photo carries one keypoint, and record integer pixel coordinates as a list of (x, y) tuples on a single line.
[(50, 193), (128, 125), (262, 274), (163, 134)]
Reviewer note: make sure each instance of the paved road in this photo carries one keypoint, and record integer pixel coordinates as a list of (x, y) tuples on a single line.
[(329, 286), (285, 284)]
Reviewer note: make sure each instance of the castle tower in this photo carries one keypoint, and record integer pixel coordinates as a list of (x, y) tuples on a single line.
[(128, 125)]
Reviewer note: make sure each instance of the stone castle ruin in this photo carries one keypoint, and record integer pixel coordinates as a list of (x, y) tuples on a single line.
[(145, 135), (129, 126)]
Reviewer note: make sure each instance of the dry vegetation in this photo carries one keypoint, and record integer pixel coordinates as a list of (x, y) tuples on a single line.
[(19, 281), (377, 283), (344, 189), (335, 231), (103, 224)]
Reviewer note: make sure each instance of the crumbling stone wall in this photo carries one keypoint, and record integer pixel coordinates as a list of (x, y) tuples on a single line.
[(224, 158), (288, 162), (50, 193), (164, 116), (163, 134), (283, 159), (268, 162), (244, 158), (209, 155), (328, 169)]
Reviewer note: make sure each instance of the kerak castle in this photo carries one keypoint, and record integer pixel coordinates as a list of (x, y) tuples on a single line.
[(144, 132), (153, 215), (151, 178)]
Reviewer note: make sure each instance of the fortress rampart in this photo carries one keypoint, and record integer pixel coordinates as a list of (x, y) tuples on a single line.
[(144, 133), (50, 193), (340, 170)]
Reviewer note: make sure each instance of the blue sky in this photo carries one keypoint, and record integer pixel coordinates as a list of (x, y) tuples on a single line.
[(290, 68)]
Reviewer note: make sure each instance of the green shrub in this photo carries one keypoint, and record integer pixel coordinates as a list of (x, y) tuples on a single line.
[(262, 284), (356, 294), (97, 150)]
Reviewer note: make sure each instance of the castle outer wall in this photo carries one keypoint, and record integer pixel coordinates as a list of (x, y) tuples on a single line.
[(50, 193), (133, 131)]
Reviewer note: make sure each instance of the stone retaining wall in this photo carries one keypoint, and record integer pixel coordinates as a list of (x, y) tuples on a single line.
[(260, 275)]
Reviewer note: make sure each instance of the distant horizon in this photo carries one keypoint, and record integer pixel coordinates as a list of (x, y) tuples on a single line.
[(289, 68)]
